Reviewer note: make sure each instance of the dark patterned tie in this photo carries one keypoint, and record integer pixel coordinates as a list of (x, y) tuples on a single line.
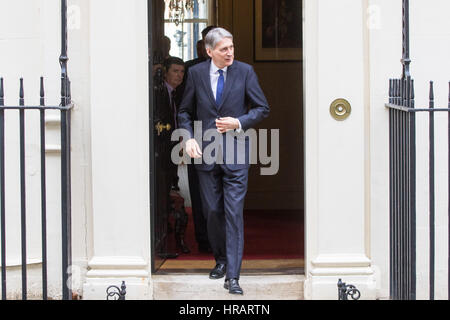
[(220, 85)]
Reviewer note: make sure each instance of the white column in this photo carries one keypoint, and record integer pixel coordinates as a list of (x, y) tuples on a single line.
[(120, 226), (337, 152)]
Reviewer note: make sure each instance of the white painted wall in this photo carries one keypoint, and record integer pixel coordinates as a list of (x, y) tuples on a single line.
[(385, 45), (430, 52), (347, 208)]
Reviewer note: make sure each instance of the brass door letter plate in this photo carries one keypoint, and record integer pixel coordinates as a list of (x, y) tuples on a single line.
[(340, 109)]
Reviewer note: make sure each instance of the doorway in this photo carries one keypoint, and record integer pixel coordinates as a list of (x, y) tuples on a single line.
[(274, 210)]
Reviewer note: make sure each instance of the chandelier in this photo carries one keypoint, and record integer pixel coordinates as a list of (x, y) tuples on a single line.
[(177, 9)]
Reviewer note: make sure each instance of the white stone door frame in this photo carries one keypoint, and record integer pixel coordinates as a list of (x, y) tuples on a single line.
[(119, 229), (337, 166)]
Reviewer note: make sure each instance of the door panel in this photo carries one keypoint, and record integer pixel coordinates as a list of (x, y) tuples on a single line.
[(160, 133)]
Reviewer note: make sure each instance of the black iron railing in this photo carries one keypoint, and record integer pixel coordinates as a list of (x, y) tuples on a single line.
[(402, 158), (402, 136), (402, 190), (65, 114)]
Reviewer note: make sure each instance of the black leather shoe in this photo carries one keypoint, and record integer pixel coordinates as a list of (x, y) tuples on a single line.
[(233, 286), (218, 271)]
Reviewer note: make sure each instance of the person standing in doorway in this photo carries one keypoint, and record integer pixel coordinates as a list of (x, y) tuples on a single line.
[(166, 114), (224, 94), (201, 234), (174, 70)]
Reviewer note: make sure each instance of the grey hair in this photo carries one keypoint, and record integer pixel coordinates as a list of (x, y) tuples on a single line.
[(215, 36)]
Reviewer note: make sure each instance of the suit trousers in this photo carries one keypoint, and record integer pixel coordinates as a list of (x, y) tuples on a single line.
[(223, 194)]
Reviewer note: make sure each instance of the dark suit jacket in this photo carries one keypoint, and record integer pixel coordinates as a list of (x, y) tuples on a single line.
[(163, 144), (242, 99)]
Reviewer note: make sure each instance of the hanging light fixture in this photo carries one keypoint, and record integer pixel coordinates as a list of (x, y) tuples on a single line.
[(177, 9)]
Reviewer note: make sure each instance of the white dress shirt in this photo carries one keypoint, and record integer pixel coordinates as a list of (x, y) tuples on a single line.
[(214, 77)]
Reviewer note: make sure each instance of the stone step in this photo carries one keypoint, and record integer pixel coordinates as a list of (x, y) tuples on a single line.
[(200, 287)]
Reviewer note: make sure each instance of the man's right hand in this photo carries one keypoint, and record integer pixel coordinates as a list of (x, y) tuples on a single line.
[(193, 149)]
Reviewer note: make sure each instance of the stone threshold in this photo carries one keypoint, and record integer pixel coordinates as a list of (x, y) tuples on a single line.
[(200, 287)]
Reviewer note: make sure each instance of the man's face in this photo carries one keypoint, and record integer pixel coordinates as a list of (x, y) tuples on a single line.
[(175, 74), (223, 54)]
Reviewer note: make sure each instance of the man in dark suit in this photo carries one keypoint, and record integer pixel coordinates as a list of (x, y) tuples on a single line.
[(169, 99), (168, 80), (228, 98), (201, 234)]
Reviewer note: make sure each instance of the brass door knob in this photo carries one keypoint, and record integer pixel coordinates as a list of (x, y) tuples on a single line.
[(340, 109), (161, 127)]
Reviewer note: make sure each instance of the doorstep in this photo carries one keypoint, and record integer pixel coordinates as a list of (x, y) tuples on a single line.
[(200, 287)]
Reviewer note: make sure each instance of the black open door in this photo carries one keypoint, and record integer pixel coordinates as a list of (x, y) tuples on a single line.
[(160, 131)]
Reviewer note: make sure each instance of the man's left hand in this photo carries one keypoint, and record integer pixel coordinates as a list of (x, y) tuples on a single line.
[(227, 124)]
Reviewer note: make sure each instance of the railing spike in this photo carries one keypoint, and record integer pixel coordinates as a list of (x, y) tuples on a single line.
[(431, 91), (21, 93), (42, 92), (405, 94), (408, 92), (431, 103), (2, 93), (393, 88), (396, 91), (391, 91)]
